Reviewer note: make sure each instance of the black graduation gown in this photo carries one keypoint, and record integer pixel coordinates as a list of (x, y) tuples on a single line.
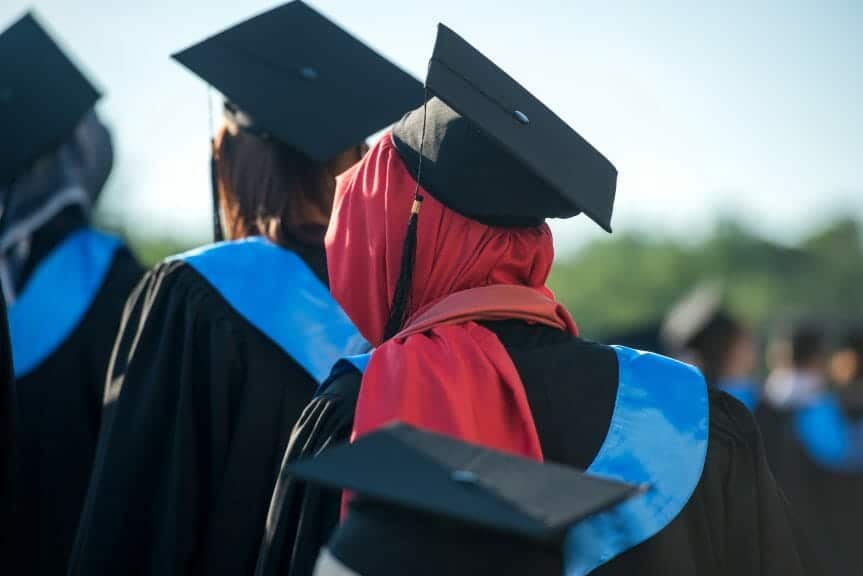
[(200, 407), (7, 433), (59, 404), (829, 503), (736, 521)]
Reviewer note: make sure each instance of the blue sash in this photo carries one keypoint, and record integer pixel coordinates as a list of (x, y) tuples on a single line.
[(746, 392), (57, 296), (274, 290), (828, 436), (657, 438)]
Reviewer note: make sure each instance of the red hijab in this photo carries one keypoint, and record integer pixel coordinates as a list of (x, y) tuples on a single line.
[(451, 376)]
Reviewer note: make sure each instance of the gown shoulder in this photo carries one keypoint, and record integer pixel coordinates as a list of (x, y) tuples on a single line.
[(198, 410)]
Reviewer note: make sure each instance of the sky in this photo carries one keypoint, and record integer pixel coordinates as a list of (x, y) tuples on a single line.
[(746, 108)]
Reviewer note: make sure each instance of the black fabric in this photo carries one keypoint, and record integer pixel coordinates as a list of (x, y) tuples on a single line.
[(828, 503), (571, 385), (34, 119), (375, 541), (69, 220), (8, 451), (58, 420), (198, 412), (495, 153), (298, 77), (303, 516), (736, 522)]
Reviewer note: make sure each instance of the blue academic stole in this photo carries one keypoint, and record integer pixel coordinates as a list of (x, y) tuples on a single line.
[(657, 438), (830, 438), (277, 293), (57, 297)]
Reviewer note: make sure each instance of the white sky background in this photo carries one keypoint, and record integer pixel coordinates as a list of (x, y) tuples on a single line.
[(739, 107)]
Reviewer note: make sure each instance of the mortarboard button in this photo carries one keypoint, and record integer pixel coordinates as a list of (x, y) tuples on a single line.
[(521, 117)]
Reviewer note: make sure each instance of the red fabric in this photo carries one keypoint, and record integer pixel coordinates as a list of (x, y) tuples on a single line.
[(497, 302), (451, 378)]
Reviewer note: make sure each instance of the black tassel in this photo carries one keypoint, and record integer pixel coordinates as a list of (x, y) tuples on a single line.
[(401, 296)]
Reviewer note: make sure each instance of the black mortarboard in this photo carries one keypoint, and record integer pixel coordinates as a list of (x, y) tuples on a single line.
[(426, 499), (293, 74), (43, 96), (495, 153), (698, 320)]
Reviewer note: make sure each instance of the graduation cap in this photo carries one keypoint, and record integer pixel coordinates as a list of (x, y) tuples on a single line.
[(493, 152), (43, 96), (426, 499), (292, 74), (486, 148), (698, 320)]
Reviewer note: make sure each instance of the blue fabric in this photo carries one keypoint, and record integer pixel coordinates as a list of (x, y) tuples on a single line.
[(829, 436), (276, 292), (57, 296), (744, 390), (357, 362), (657, 438)]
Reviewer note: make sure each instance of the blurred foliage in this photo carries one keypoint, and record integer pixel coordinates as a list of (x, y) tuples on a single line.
[(150, 251), (629, 280), (632, 279)]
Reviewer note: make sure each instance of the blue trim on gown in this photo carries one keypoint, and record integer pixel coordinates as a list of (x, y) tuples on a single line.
[(657, 438), (276, 292), (57, 297), (357, 362), (745, 391), (832, 439)]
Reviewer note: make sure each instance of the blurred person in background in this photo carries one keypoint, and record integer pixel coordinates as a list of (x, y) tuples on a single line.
[(64, 284), (439, 251), (222, 347), (815, 445), (800, 374), (702, 331), (846, 371)]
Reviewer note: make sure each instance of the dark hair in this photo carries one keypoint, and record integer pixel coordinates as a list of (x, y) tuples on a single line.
[(807, 344), (268, 188), (715, 343)]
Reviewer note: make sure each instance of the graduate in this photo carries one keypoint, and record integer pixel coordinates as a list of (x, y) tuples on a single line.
[(222, 347), (846, 370), (429, 504), (702, 331), (64, 284), (815, 448), (442, 225)]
